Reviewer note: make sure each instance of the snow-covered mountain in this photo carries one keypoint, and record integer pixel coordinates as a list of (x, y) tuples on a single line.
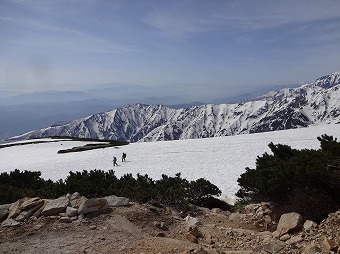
[(289, 108)]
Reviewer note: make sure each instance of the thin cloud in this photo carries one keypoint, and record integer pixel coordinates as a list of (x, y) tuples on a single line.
[(183, 19)]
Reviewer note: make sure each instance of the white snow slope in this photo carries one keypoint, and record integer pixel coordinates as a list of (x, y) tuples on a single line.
[(220, 160)]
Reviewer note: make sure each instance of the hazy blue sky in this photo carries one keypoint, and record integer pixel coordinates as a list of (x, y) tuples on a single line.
[(203, 45)]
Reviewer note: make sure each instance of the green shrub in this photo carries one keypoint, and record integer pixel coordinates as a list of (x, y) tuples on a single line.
[(171, 191), (304, 181), (18, 184)]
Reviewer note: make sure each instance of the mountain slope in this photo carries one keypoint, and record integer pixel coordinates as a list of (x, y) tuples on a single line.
[(289, 108)]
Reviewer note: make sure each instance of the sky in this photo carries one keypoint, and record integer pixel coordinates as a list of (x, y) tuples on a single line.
[(200, 46)]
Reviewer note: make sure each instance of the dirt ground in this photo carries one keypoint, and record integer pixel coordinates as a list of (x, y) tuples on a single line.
[(148, 228), (131, 229)]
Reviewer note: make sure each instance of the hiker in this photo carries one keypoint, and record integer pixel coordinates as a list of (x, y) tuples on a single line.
[(123, 157), (115, 161)]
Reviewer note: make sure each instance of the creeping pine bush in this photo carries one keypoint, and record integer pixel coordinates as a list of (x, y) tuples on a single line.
[(171, 191), (304, 181), (18, 184)]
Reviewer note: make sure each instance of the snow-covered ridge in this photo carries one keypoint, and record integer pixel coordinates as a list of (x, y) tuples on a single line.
[(307, 105)]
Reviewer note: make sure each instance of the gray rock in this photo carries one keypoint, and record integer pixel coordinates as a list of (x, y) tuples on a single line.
[(288, 222), (55, 206), (237, 217), (28, 212), (14, 210), (308, 225), (73, 196), (10, 223), (311, 249), (274, 246), (251, 208), (65, 219), (4, 210), (75, 203), (71, 212), (192, 221), (92, 205), (30, 202), (117, 201)]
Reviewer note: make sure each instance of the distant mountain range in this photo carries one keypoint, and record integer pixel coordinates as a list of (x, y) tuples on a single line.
[(309, 104)]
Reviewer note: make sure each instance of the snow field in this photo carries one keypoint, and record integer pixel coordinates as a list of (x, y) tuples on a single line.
[(220, 160)]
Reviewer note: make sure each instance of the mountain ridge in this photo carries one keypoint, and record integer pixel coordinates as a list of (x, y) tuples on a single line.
[(309, 104)]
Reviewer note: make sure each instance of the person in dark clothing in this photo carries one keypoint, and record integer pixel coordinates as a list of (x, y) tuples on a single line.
[(123, 157), (115, 161)]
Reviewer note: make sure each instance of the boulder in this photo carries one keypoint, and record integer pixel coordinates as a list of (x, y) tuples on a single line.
[(192, 221), (55, 206), (73, 196), (29, 212), (71, 212), (288, 222), (192, 238), (30, 202), (117, 201), (251, 208), (329, 244), (194, 231), (14, 210), (274, 246), (308, 225), (75, 203), (10, 223), (4, 210), (237, 217), (92, 205)]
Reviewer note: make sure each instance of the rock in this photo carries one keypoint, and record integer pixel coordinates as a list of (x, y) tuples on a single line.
[(71, 212), (160, 225), (65, 219), (295, 239), (200, 251), (194, 231), (267, 219), (160, 234), (73, 196), (288, 222), (237, 217), (311, 249), (14, 210), (192, 221), (285, 237), (4, 210), (117, 201), (308, 225), (38, 226), (274, 246), (10, 223), (92, 227), (75, 203), (251, 208), (55, 206), (329, 244), (29, 212), (192, 238), (92, 205), (31, 202)]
